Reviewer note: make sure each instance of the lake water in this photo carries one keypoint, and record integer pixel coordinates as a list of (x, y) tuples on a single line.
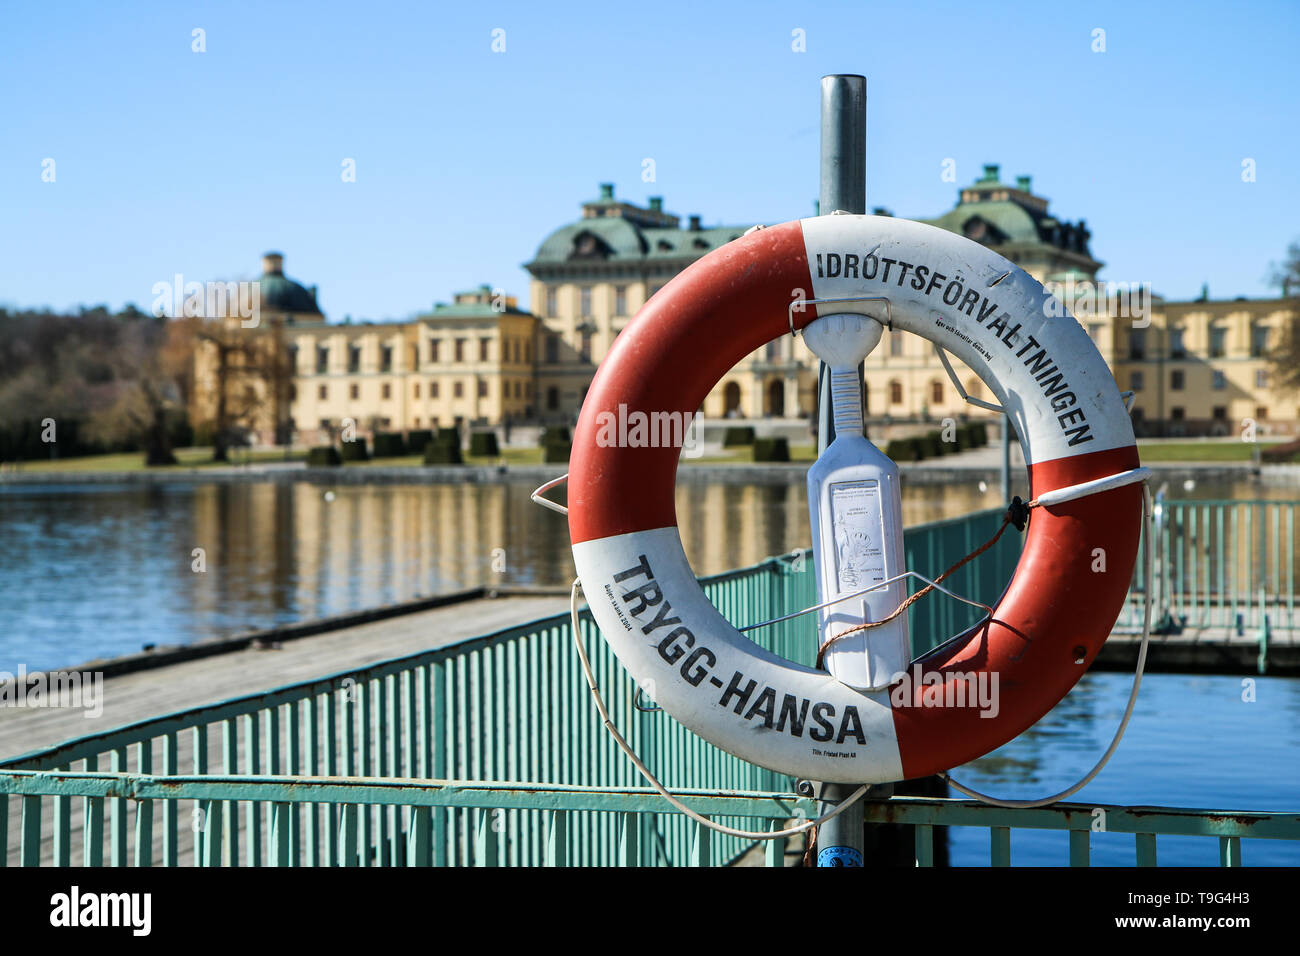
[(91, 571)]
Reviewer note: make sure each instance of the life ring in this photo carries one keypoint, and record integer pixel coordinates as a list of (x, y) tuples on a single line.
[(1048, 624)]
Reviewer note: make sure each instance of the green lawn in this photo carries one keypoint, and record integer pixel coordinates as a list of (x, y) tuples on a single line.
[(134, 461), (1198, 451)]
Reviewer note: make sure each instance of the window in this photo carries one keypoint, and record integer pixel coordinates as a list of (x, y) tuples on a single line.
[(323, 392), (460, 350), (458, 390), (1135, 381), (552, 348), (482, 388), (354, 358), (433, 389), (417, 390), (552, 398), (895, 344), (433, 350), (550, 302), (291, 359), (584, 302), (354, 392), (1137, 344), (1176, 380), (483, 345), (1258, 340), (386, 391), (415, 357), (896, 392), (1261, 413), (1094, 331), (386, 358), (586, 346), (322, 359), (620, 300), (1218, 341), (1261, 378), (1220, 413), (1218, 380), (1176, 413), (324, 424), (774, 350), (1176, 348), (936, 392)]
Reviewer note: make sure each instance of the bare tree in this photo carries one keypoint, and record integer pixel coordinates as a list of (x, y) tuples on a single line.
[(1285, 358)]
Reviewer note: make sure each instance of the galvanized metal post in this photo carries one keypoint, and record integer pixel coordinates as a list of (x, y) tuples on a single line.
[(843, 187), (1006, 458)]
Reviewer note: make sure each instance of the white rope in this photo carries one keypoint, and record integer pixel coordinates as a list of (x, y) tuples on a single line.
[(654, 781), (1149, 562), (547, 502)]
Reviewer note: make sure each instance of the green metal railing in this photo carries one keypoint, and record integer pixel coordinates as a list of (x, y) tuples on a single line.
[(338, 770), (500, 809), (1223, 567), (508, 706)]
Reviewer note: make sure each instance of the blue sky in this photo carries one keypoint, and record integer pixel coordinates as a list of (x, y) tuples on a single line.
[(169, 161)]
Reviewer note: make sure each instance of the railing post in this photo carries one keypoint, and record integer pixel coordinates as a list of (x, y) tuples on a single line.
[(701, 841), (629, 848), (417, 840), (487, 843), (1079, 847), (31, 845), (999, 846), (774, 852), (557, 839), (1146, 849), (924, 845)]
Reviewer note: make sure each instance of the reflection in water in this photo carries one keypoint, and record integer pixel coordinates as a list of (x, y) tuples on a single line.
[(94, 570)]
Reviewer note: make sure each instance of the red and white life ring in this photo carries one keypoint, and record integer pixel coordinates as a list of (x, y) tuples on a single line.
[(1074, 429)]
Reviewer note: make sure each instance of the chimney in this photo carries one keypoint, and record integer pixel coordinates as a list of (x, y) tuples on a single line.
[(606, 190), (656, 203), (990, 173), (695, 223), (272, 264), (1023, 183)]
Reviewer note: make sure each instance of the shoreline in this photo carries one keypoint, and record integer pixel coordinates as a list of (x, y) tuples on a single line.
[(777, 473)]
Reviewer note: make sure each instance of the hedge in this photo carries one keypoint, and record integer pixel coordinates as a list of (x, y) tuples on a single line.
[(390, 445), (736, 437), (355, 450), (417, 441), (771, 449), (441, 451), (324, 456), (484, 445), (554, 433), (556, 451)]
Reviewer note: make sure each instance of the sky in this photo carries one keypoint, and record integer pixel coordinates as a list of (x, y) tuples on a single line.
[(1178, 142)]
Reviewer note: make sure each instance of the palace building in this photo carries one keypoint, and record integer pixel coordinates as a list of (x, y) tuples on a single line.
[(1195, 367)]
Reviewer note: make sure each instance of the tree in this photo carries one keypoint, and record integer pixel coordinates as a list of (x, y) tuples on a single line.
[(1285, 358), (1286, 274), (145, 397)]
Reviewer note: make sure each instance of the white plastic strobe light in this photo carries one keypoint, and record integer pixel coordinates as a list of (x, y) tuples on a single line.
[(856, 512)]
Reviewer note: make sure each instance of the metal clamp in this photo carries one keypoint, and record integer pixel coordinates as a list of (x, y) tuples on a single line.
[(889, 320)]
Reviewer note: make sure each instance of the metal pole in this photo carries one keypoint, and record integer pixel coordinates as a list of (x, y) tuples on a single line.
[(1006, 458), (843, 186)]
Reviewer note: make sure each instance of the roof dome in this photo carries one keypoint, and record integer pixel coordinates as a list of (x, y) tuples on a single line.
[(279, 293)]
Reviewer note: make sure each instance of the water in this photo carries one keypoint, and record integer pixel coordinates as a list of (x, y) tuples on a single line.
[(1193, 742), (90, 571)]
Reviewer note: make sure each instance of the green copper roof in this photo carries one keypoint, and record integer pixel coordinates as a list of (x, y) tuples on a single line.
[(605, 238), (279, 293)]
